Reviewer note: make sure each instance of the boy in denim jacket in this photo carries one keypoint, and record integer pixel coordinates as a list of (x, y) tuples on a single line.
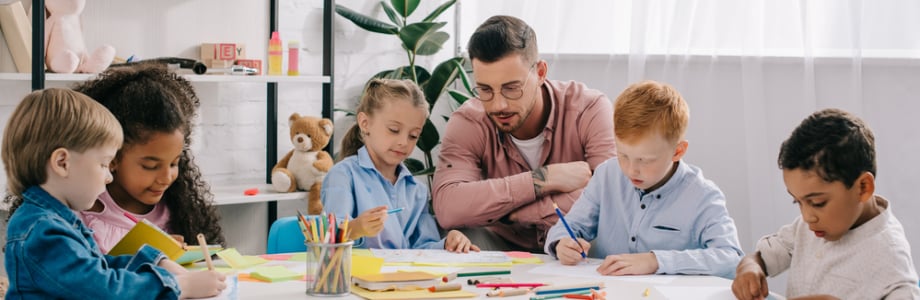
[(57, 149)]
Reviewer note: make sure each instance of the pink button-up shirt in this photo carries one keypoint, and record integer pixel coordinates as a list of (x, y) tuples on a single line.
[(482, 176)]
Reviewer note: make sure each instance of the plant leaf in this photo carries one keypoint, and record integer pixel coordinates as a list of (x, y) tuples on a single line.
[(403, 73), (415, 34), (427, 171), (429, 137), (432, 44), (392, 14), (437, 11), (441, 78), (414, 165), (458, 96), (405, 7), (464, 78), (366, 22), (347, 112)]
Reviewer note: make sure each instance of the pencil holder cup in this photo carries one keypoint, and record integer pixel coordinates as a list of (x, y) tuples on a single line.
[(329, 269)]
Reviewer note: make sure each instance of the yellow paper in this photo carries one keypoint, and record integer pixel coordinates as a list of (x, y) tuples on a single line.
[(363, 265), (236, 260), (145, 232), (361, 252), (299, 256), (274, 274), (416, 294), (528, 260)]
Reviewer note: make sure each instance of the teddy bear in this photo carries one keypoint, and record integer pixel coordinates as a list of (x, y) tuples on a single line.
[(65, 50), (305, 166)]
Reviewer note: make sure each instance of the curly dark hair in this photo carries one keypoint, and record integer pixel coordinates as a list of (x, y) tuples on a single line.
[(146, 99), (835, 144)]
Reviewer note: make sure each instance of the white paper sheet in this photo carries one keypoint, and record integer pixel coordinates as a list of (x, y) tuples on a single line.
[(589, 270)]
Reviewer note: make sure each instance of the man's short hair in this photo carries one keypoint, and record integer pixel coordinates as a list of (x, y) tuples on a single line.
[(500, 36)]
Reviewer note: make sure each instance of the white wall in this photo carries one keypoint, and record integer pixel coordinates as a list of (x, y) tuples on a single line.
[(229, 141), (735, 136)]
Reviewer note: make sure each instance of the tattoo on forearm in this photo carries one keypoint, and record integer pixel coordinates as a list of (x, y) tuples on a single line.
[(539, 179)]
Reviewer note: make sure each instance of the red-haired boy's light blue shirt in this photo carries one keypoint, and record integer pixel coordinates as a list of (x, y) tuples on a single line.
[(684, 222), (354, 185)]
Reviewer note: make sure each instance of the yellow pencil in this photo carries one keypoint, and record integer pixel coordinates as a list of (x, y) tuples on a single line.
[(205, 252), (345, 230)]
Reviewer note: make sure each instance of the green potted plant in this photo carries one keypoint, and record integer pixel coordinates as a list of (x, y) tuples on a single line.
[(422, 38)]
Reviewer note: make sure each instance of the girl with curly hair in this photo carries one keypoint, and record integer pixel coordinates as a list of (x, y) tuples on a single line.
[(155, 177)]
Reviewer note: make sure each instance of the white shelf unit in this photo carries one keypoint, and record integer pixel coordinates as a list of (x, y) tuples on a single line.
[(224, 194), (230, 193), (190, 77)]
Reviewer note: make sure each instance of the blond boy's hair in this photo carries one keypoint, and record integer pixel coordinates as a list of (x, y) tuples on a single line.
[(649, 106), (46, 120)]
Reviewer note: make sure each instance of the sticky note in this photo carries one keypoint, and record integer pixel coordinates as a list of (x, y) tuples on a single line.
[(274, 274), (364, 265), (236, 260)]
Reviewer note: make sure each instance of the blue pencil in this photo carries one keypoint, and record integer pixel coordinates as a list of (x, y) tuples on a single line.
[(395, 210), (569, 229)]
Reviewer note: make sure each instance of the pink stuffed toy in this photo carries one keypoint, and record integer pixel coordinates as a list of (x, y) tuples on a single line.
[(66, 52)]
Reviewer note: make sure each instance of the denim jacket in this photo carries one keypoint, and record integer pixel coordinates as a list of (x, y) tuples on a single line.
[(50, 254)]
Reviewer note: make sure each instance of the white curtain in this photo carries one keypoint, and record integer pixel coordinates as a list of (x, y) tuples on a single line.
[(751, 71)]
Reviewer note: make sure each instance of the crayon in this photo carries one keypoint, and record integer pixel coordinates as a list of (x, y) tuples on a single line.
[(445, 287), (507, 292)]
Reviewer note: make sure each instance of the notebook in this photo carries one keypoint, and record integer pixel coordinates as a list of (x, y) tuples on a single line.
[(148, 233), (396, 281), (145, 232)]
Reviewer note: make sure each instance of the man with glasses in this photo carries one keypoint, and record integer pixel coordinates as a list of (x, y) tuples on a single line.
[(525, 144)]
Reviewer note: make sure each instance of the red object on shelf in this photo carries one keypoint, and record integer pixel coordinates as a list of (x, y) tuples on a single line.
[(251, 192)]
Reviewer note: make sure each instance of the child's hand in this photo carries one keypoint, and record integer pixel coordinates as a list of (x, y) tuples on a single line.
[(750, 280), (180, 239), (201, 284), (368, 223), (456, 241), (629, 264), (568, 252), (172, 267)]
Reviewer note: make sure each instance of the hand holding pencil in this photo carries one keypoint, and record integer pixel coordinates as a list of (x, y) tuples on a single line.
[(368, 223), (207, 283), (569, 251), (564, 245)]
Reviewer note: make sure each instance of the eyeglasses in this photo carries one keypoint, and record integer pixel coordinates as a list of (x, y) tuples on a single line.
[(512, 92)]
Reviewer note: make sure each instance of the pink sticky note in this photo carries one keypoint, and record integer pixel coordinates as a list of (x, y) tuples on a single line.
[(518, 254), (276, 256)]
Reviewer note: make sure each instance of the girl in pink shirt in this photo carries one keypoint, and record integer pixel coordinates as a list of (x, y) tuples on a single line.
[(154, 175)]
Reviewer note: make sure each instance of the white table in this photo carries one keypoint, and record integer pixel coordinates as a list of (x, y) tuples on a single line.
[(687, 287)]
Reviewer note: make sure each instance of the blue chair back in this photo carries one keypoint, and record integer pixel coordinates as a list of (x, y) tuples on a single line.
[(285, 236)]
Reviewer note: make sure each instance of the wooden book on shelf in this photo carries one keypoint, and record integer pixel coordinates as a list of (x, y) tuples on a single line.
[(17, 32)]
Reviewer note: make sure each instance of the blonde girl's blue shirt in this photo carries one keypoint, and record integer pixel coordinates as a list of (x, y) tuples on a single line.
[(50, 254), (684, 222), (354, 185)]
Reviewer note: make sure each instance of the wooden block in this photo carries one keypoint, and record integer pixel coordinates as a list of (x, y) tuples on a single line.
[(252, 63), (222, 51), (213, 63), (17, 32)]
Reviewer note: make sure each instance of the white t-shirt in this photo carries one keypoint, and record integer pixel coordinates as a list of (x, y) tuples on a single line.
[(530, 149), (871, 261)]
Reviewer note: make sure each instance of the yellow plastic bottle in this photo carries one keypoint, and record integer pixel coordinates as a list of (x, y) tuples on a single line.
[(274, 54)]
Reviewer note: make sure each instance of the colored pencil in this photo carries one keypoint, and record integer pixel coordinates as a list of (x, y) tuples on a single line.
[(509, 284), (205, 252), (569, 229)]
